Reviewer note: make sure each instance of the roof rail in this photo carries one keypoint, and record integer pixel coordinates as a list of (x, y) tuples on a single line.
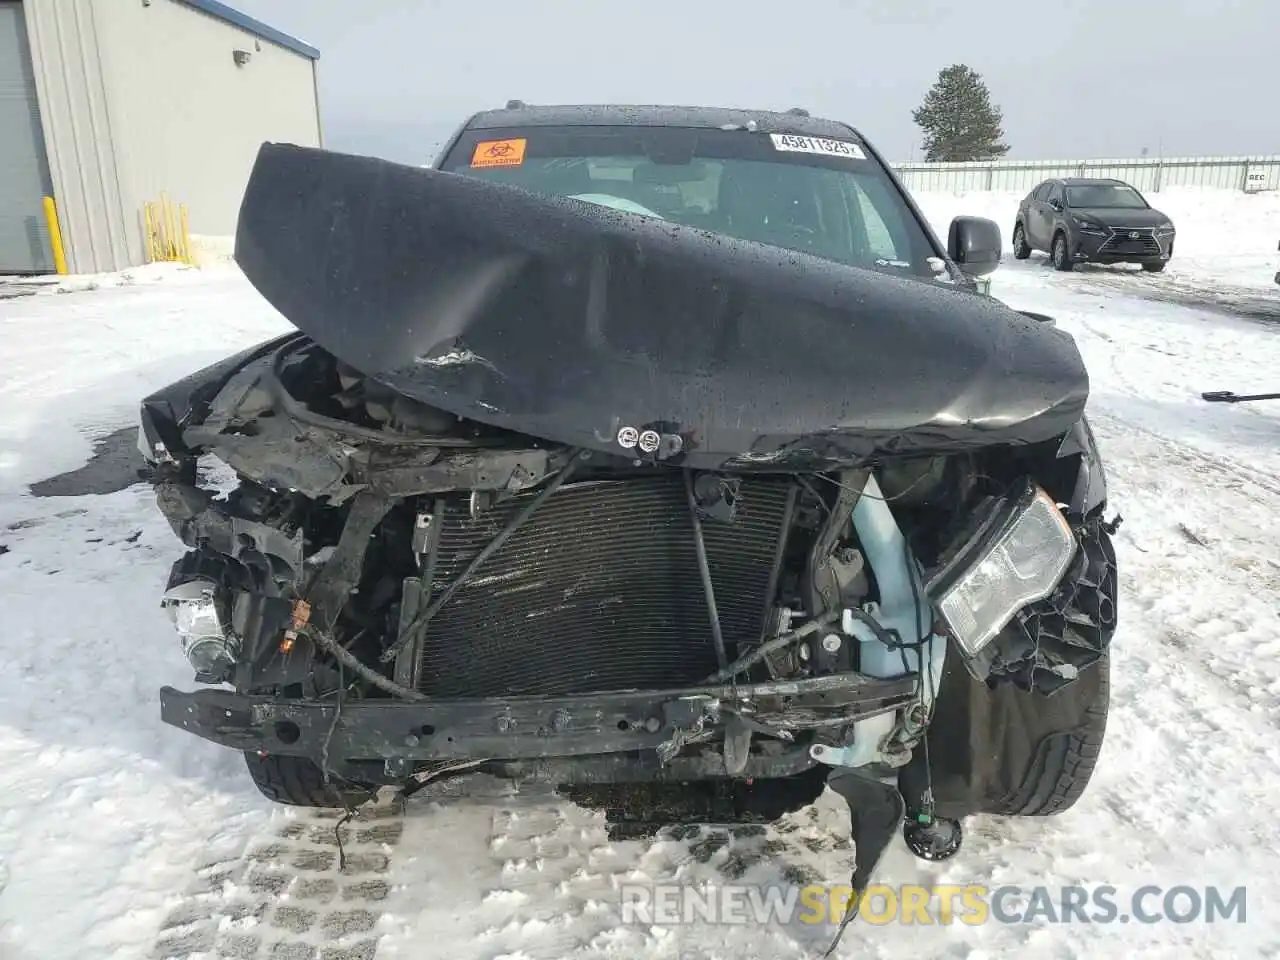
[(798, 112), (515, 104)]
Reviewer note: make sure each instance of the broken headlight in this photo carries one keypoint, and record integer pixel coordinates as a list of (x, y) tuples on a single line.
[(194, 609), (1020, 551)]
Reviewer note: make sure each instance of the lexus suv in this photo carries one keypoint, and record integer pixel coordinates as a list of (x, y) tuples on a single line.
[(663, 454), (1082, 220)]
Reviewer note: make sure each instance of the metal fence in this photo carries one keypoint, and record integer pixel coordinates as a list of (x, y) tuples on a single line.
[(1148, 174)]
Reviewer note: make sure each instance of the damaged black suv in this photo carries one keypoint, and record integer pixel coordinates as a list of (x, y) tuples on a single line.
[(661, 454)]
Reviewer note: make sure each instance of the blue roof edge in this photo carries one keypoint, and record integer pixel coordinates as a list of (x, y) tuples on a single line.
[(233, 16)]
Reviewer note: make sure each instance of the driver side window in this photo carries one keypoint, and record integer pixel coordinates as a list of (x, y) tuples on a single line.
[(1056, 195)]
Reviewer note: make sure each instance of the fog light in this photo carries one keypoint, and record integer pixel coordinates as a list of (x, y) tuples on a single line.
[(193, 608)]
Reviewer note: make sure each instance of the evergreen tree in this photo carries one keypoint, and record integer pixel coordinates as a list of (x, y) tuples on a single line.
[(958, 119)]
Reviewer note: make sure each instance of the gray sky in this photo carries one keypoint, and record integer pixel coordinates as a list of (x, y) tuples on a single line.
[(1085, 78)]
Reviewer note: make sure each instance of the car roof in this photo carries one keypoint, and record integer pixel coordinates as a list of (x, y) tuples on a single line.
[(1085, 181), (518, 114)]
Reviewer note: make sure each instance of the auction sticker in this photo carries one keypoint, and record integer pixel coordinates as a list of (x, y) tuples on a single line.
[(499, 153), (795, 143)]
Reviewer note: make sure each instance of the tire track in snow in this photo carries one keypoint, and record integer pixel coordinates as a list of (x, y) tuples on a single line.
[(1257, 304), (1247, 488), (1210, 571), (492, 869), (290, 895), (1178, 454)]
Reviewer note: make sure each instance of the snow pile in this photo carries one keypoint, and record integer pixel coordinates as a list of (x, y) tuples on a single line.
[(80, 282)]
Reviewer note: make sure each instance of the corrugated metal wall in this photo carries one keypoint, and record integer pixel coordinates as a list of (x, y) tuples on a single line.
[(142, 98), (188, 119), (77, 131), (1147, 174)]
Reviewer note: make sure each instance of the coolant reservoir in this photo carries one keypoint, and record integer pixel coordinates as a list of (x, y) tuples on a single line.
[(902, 608)]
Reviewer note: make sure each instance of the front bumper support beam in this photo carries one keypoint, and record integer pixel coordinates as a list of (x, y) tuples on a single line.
[(523, 728)]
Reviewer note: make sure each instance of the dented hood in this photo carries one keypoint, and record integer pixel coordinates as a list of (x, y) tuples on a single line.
[(610, 330)]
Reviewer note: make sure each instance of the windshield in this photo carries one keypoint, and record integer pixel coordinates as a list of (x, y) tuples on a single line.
[(1105, 195), (829, 198)]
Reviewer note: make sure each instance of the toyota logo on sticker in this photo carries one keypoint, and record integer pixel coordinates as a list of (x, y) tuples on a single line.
[(649, 441), (628, 437)]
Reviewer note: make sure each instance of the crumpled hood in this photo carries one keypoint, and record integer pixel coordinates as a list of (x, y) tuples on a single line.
[(589, 326)]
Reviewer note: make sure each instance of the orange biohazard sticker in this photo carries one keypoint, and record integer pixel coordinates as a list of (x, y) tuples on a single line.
[(499, 153)]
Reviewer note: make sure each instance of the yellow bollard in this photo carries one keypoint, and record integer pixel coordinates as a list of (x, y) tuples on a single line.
[(170, 228), (187, 256), (55, 236), (168, 231), (149, 218)]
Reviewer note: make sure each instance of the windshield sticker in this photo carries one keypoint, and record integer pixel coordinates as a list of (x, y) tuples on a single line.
[(827, 148), (499, 153)]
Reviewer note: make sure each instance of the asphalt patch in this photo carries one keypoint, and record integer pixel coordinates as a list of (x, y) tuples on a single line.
[(115, 465)]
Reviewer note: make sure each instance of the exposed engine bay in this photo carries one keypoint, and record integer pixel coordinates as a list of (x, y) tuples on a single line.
[(407, 553)]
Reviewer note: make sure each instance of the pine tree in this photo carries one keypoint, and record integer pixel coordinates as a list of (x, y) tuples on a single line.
[(958, 119)]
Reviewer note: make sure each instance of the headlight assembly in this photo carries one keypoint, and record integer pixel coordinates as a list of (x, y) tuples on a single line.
[(1019, 553), (193, 607)]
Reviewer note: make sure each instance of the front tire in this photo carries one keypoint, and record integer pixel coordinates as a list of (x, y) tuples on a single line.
[(1021, 249), (1061, 257), (297, 782), (1154, 267), (1064, 762)]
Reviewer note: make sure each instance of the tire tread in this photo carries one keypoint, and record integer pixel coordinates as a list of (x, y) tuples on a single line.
[(297, 782), (1065, 762)]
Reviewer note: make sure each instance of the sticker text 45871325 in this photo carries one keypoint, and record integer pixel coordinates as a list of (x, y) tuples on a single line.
[(820, 145)]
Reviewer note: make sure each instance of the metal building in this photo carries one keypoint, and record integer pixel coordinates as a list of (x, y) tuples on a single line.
[(109, 106)]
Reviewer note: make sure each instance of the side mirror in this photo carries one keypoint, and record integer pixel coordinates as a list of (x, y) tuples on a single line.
[(1056, 204), (974, 244)]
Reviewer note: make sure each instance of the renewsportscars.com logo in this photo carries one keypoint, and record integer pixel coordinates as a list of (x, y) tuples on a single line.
[(971, 904)]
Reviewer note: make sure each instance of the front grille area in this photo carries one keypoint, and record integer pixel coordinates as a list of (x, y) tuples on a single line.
[(1122, 242), (598, 590)]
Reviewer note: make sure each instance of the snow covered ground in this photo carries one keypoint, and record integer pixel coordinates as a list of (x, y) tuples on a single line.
[(121, 837)]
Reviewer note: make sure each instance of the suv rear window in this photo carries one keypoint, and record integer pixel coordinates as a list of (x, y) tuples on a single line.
[(830, 198)]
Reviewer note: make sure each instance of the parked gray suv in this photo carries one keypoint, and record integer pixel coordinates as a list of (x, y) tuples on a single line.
[(1076, 220)]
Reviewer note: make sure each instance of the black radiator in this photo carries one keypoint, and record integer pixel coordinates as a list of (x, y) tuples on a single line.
[(599, 590)]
